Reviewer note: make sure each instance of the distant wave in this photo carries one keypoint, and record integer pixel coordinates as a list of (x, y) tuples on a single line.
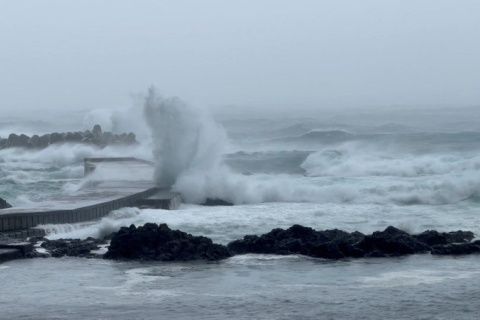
[(416, 142)]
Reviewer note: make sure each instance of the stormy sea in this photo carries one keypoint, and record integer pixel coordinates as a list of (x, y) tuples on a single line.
[(358, 170)]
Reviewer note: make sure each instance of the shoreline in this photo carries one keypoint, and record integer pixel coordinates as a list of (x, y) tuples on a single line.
[(153, 242)]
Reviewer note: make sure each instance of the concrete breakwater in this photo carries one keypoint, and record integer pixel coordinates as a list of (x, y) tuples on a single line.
[(21, 222), (91, 202), (95, 137)]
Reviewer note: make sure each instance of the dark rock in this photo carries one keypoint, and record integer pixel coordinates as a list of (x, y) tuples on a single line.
[(97, 142), (72, 247), (36, 239), (36, 254), (97, 137), (4, 204), (460, 236), (216, 202), (18, 141), (74, 137), (12, 139), (457, 248), (129, 138), (24, 140), (329, 244), (97, 131), (327, 250), (391, 242), (56, 138), (87, 140), (433, 237), (159, 242), (107, 138), (33, 142), (109, 236), (44, 141)]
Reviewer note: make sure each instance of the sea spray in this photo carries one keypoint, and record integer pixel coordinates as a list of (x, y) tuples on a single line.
[(189, 146), (186, 140)]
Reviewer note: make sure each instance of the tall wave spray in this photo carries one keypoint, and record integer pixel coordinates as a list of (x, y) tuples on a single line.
[(186, 140), (188, 147)]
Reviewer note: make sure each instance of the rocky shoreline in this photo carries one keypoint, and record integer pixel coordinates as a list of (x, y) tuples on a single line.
[(95, 137), (153, 242)]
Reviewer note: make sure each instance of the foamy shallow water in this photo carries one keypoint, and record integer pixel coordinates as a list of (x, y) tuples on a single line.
[(225, 224), (243, 287)]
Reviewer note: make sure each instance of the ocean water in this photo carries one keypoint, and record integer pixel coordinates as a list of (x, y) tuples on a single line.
[(322, 172)]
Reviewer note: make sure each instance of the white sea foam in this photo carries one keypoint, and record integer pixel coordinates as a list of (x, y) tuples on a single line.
[(225, 224), (98, 229), (359, 160)]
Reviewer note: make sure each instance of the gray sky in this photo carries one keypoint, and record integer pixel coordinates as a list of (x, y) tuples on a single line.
[(94, 54)]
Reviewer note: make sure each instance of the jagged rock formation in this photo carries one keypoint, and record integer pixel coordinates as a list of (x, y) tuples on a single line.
[(216, 202), (95, 137), (72, 247), (338, 244), (159, 242)]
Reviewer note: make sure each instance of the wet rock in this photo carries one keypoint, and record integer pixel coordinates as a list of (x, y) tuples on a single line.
[(391, 242), (338, 244), (44, 141), (216, 202), (36, 254), (130, 138), (36, 239), (457, 248), (97, 142), (33, 142), (87, 140), (97, 137), (97, 131), (24, 139), (107, 138), (159, 242), (12, 138), (72, 247), (74, 137), (329, 244), (4, 204), (109, 236), (17, 141), (56, 138), (433, 237)]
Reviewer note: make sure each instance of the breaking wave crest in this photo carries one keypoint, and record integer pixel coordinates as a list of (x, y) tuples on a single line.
[(189, 147)]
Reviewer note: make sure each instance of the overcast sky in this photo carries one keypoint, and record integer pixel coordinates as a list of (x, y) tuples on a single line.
[(94, 54)]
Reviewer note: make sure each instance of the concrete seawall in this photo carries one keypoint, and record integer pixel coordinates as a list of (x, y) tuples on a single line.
[(18, 224), (92, 202)]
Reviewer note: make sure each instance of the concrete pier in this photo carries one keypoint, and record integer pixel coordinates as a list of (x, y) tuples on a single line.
[(96, 199)]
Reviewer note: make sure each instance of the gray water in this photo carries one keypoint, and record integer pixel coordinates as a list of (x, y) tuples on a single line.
[(279, 173), (243, 287)]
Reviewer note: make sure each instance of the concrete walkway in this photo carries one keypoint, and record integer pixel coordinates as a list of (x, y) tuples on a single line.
[(111, 186)]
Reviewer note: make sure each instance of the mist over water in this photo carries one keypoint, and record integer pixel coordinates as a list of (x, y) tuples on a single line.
[(186, 140), (320, 172)]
